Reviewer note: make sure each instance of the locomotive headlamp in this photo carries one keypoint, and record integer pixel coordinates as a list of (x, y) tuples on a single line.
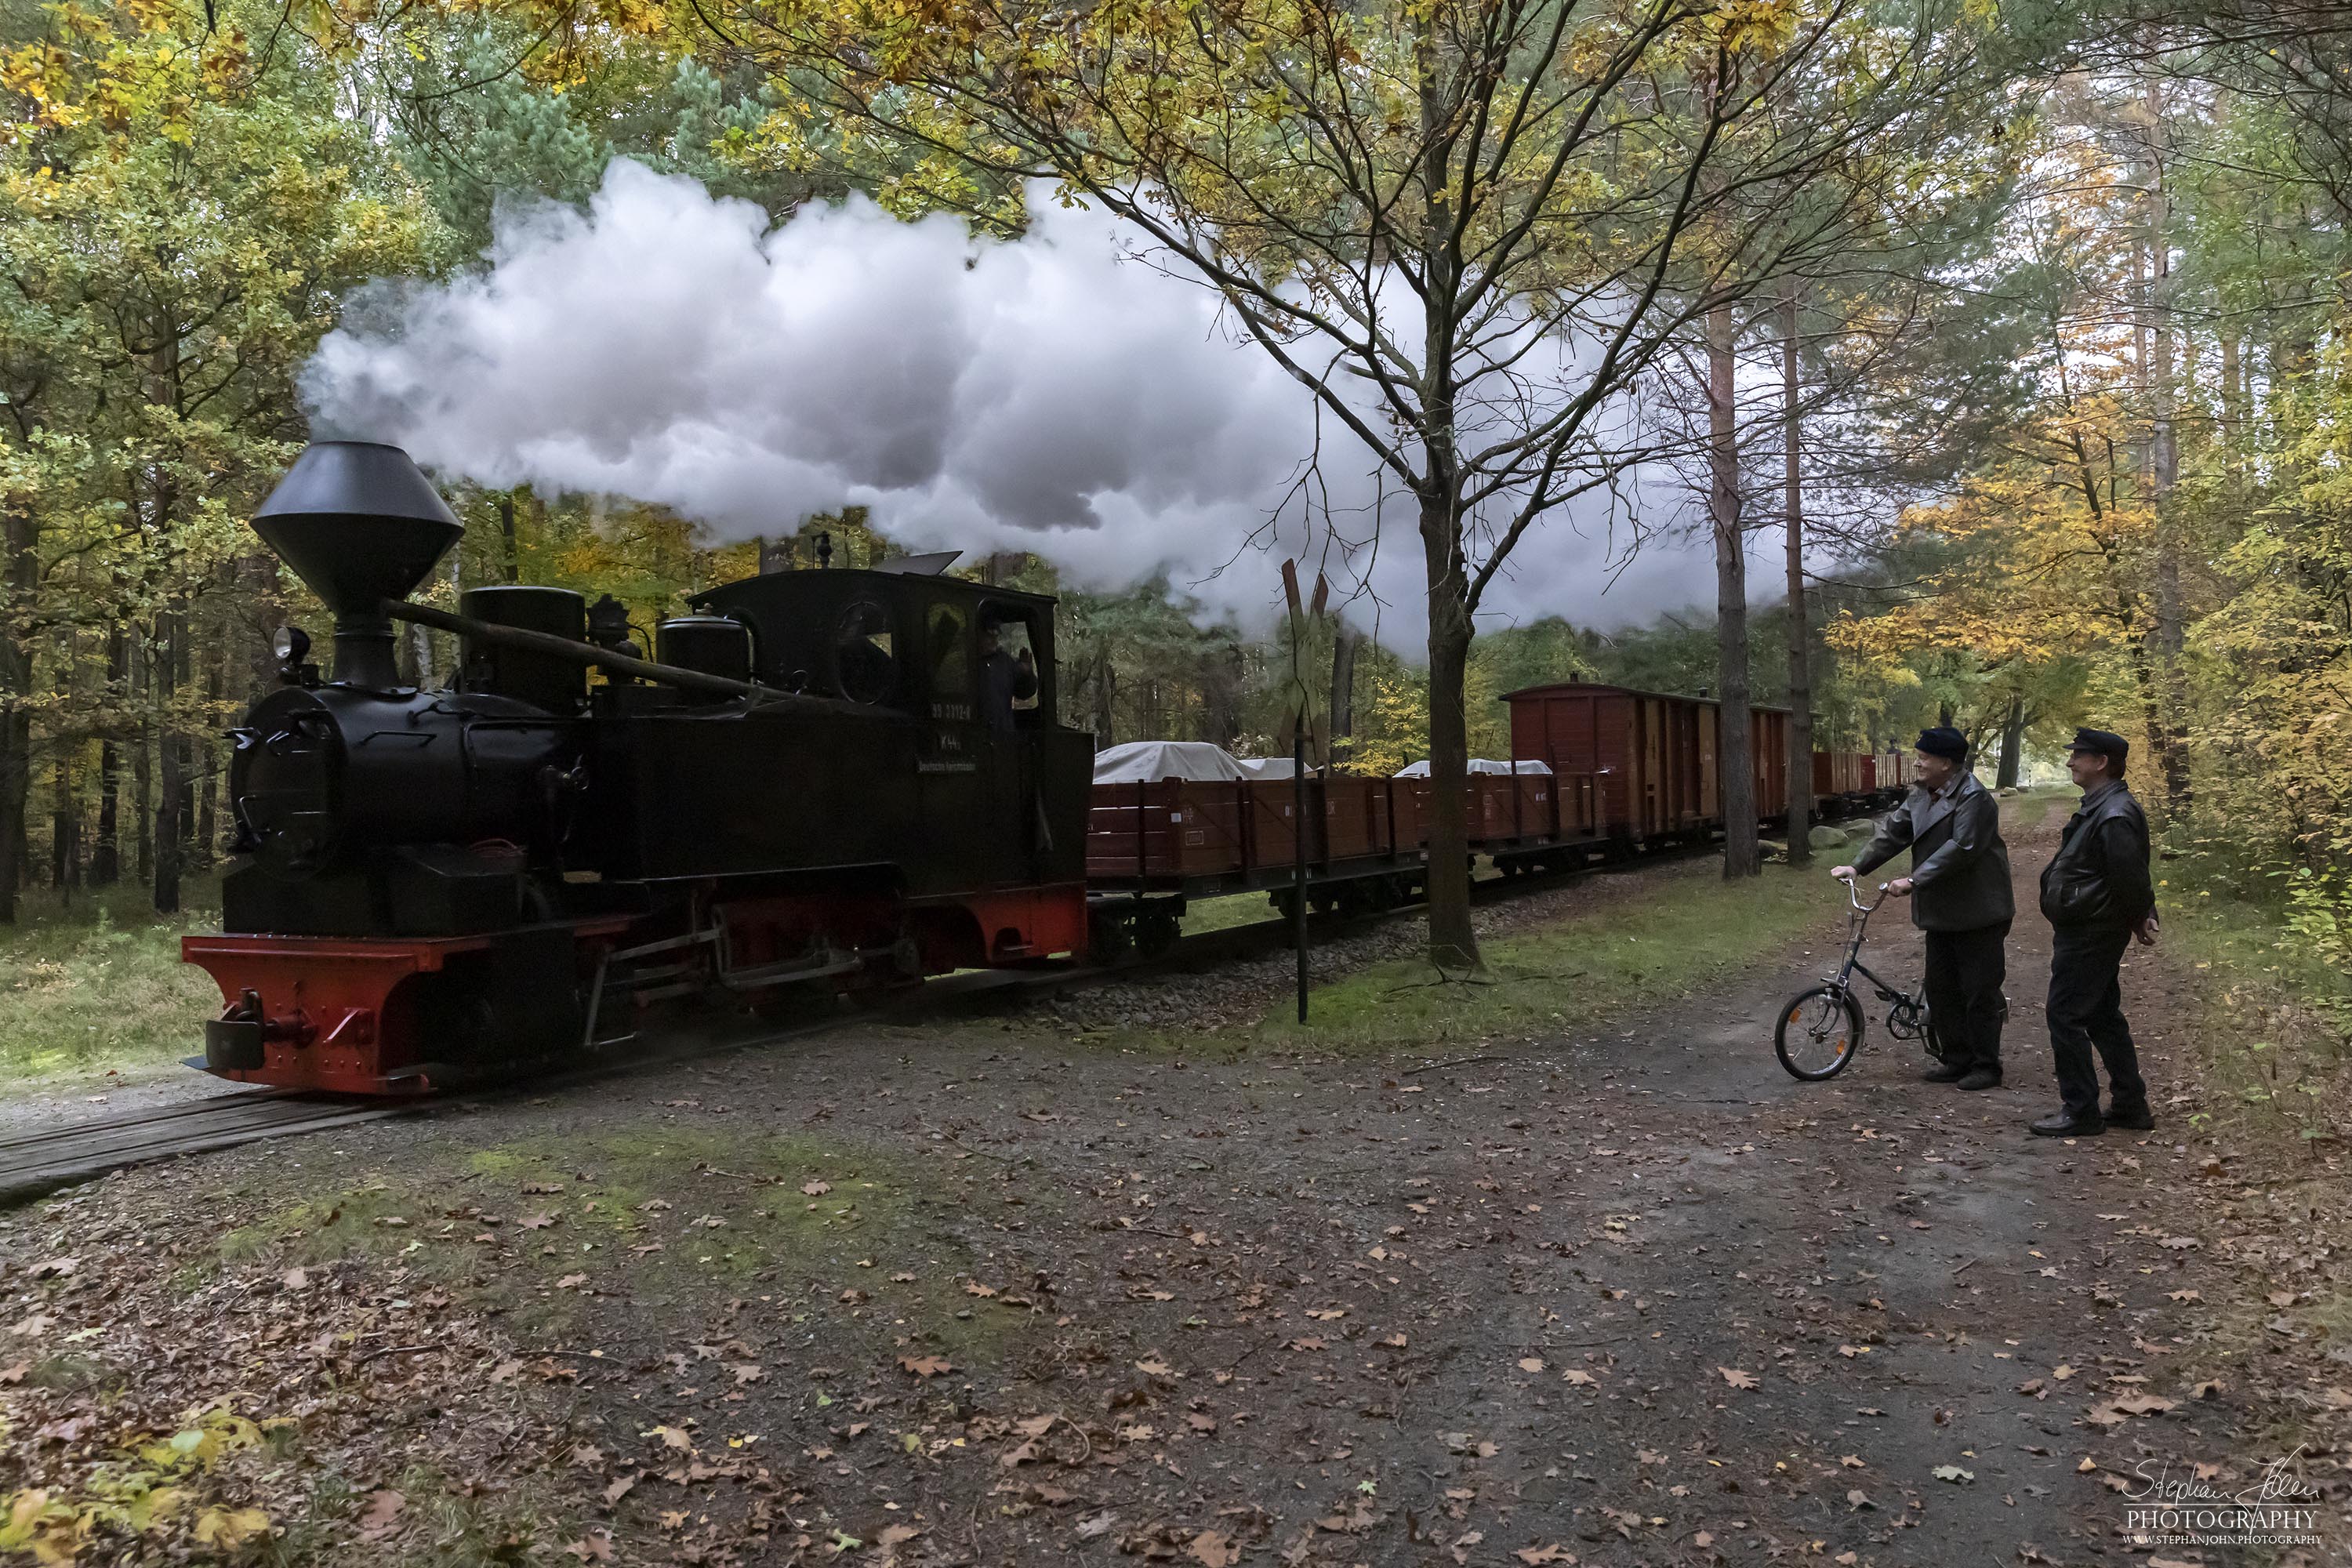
[(291, 645)]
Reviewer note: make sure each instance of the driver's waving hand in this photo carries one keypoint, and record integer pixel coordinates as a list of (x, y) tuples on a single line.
[(1960, 897)]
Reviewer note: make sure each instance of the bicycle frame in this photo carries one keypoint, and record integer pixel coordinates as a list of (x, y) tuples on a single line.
[(1906, 1009)]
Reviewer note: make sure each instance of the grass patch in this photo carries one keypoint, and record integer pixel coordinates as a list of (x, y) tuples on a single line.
[(1671, 941), (99, 983), (1224, 914), (2266, 1032)]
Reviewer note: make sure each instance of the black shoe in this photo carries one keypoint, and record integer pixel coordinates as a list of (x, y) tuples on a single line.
[(2070, 1124), (1944, 1072), (1981, 1077), (2137, 1118)]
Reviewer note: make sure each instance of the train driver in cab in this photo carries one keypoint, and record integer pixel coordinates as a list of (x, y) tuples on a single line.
[(1003, 679)]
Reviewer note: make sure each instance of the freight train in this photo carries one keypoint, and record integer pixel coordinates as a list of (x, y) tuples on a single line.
[(1624, 772), (845, 778)]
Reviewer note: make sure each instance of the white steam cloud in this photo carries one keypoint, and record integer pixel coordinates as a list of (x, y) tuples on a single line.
[(1053, 396)]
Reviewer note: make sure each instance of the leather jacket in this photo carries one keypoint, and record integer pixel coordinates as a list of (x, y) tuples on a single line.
[(2099, 878), (1959, 867)]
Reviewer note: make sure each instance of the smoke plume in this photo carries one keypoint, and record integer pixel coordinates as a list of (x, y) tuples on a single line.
[(1054, 394)]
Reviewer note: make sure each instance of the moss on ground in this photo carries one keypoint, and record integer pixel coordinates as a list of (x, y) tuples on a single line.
[(535, 1224)]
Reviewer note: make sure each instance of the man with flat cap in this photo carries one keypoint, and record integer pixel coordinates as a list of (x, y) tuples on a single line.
[(2097, 896), (1960, 897)]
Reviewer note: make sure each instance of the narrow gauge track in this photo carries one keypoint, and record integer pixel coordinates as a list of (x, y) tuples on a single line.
[(33, 1163), (40, 1162)]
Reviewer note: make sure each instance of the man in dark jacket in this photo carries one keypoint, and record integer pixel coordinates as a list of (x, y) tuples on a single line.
[(1960, 897), (2096, 895)]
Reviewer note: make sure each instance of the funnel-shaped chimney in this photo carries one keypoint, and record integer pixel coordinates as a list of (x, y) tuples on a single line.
[(359, 524)]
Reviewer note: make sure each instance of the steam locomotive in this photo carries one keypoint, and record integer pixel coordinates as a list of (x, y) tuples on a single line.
[(820, 775), (850, 778)]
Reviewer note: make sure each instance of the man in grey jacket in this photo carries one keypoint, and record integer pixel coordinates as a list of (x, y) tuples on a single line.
[(1960, 897)]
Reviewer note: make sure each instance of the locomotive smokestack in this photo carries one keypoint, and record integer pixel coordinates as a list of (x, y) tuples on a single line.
[(360, 524)]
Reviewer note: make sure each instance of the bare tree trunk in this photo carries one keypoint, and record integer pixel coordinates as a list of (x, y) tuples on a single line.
[(1452, 942), (1220, 697), (2012, 745), (106, 855), (23, 576), (1735, 768), (60, 805), (142, 760), (423, 654), (2232, 387), (1801, 641), (514, 554), (164, 667), (1106, 700), (183, 640), (2165, 470), (208, 793), (1344, 644)]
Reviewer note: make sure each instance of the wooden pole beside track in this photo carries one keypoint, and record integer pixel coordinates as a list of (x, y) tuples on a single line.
[(1298, 848)]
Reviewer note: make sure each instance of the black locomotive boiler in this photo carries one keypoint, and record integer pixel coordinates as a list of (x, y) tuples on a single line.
[(850, 777)]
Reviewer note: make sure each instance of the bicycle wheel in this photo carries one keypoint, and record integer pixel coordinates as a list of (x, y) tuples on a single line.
[(1819, 1032)]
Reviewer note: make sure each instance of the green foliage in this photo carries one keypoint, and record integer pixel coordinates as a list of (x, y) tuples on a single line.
[(477, 133), (2161, 542), (1856, 707), (181, 226)]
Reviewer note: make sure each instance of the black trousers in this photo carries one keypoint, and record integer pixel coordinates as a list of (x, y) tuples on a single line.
[(2086, 1012), (1964, 971)]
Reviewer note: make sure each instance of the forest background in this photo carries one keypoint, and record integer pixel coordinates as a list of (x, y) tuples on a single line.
[(2083, 456)]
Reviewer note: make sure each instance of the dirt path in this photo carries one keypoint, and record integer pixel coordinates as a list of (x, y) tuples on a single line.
[(968, 1295)]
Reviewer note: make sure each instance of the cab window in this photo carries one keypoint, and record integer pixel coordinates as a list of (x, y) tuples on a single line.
[(864, 667), (950, 657), (1013, 641)]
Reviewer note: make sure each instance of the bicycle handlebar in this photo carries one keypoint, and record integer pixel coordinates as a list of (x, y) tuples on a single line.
[(1853, 895)]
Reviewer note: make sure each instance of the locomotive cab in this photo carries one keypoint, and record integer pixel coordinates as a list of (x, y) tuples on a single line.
[(940, 766), (899, 641)]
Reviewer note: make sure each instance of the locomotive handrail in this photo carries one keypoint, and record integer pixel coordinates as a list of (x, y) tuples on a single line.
[(586, 653)]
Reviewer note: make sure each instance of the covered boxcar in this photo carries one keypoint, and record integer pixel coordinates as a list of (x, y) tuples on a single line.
[(1652, 756)]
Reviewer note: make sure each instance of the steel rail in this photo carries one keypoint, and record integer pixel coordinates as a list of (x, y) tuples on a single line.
[(32, 1163)]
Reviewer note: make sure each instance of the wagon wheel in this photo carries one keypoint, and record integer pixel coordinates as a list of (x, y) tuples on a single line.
[(1157, 932), (1110, 939)]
